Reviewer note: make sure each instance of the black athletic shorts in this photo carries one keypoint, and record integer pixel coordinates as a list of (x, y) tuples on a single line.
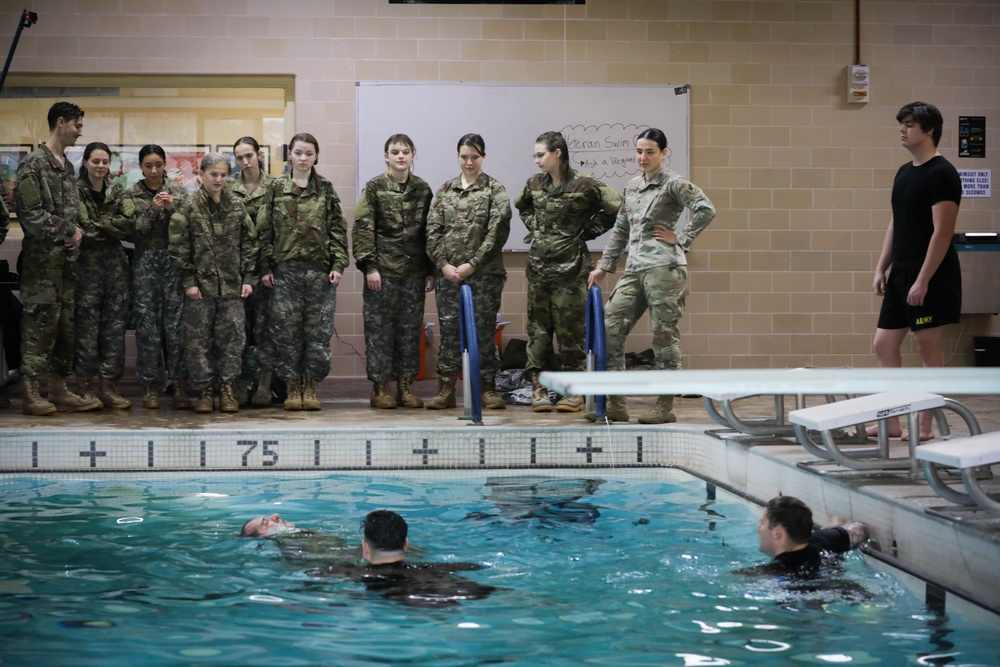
[(942, 305)]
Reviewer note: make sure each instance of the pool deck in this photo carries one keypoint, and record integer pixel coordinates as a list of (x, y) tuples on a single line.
[(963, 553)]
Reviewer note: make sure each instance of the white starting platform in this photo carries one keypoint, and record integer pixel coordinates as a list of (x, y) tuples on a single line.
[(877, 408), (964, 455)]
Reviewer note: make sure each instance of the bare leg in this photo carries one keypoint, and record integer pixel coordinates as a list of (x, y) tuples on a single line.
[(887, 345), (931, 356)]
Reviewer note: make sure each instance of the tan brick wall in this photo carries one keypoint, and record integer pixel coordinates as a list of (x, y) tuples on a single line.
[(801, 178)]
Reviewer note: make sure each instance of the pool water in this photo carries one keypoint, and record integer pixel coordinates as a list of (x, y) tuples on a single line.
[(592, 568)]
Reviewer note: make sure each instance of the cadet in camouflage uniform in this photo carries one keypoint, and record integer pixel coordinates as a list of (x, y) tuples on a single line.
[(5, 324), (48, 209), (157, 297), (656, 270), (213, 246), (10, 322), (4, 211), (390, 249), (303, 254), (468, 224), (250, 187), (562, 209), (102, 293)]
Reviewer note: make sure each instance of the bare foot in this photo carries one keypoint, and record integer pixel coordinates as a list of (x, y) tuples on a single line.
[(923, 436), (872, 432)]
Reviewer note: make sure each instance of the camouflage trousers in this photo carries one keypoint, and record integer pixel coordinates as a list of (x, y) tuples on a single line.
[(157, 299), (486, 293), (102, 299), (662, 290), (557, 309), (303, 303), (48, 292), (393, 326), (259, 353), (213, 331)]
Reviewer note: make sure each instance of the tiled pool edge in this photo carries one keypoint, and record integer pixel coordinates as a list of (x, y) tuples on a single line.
[(257, 450)]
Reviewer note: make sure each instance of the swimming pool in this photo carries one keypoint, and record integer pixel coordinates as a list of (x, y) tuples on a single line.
[(593, 567)]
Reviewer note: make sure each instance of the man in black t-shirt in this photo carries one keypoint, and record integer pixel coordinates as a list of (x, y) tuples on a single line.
[(923, 291), (785, 533)]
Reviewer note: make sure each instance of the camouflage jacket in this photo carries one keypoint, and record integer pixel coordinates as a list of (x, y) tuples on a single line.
[(390, 227), (469, 225), (251, 200), (149, 226), (102, 224), (302, 224), (213, 245), (660, 201), (4, 211), (561, 219), (46, 199)]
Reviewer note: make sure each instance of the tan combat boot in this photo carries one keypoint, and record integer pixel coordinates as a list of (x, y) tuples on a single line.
[(85, 385), (405, 396), (150, 397), (31, 401), (381, 398), (539, 396), (445, 396), (206, 401), (310, 401), (109, 396), (293, 399), (262, 397), (616, 410), (64, 399), (227, 398), (571, 404), (182, 395), (491, 399), (661, 412)]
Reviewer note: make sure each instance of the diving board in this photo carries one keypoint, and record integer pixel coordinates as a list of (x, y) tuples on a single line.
[(773, 381)]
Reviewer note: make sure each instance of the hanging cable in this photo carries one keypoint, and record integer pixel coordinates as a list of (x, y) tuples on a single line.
[(28, 19)]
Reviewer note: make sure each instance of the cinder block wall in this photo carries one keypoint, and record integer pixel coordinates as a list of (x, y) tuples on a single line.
[(801, 178)]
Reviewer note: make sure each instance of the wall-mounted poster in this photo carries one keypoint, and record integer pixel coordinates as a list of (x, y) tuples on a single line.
[(234, 169), (11, 156), (972, 136), (182, 163)]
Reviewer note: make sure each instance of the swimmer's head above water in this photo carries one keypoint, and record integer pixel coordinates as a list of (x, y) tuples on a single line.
[(264, 526), (384, 539)]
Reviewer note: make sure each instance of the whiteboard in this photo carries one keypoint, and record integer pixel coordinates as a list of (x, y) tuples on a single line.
[(600, 123)]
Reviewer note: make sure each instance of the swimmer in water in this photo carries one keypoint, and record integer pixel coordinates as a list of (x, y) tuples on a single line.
[(265, 526), (547, 500), (387, 572), (785, 533)]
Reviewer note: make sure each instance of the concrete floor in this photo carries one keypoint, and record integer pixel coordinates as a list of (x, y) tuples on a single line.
[(345, 405)]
